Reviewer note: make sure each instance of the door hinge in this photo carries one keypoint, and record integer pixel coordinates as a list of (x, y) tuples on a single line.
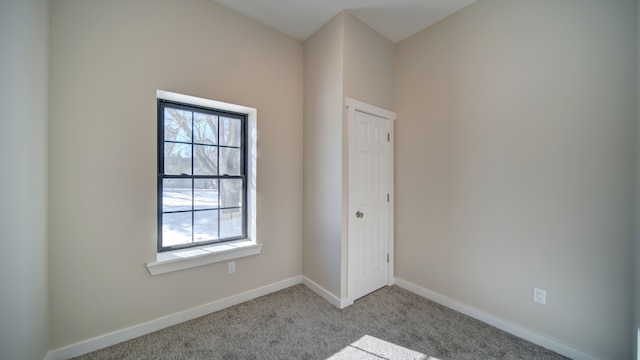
[(387, 258), (387, 197), (388, 137)]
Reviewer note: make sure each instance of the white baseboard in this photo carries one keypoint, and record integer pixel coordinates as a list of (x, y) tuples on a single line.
[(119, 336), (490, 319), (325, 294)]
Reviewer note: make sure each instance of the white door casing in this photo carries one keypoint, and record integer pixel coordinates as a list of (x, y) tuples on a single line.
[(370, 199)]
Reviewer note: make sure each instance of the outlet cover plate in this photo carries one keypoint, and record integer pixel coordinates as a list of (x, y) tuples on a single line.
[(540, 295)]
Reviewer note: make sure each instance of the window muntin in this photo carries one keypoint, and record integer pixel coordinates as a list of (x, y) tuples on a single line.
[(201, 176)]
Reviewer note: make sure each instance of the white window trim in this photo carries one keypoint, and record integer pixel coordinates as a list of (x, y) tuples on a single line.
[(208, 254), (202, 255)]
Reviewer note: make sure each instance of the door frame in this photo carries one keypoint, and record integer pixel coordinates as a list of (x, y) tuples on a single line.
[(353, 105)]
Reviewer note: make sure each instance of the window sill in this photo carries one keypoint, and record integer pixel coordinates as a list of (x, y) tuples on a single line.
[(184, 259)]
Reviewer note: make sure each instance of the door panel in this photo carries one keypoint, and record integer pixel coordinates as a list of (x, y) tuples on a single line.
[(369, 147)]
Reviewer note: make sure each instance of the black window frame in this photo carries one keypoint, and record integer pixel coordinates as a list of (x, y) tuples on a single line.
[(161, 105)]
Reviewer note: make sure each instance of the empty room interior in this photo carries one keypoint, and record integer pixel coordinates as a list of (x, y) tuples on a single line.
[(512, 143)]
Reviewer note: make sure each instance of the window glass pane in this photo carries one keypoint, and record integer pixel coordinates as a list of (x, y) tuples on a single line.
[(176, 194), (177, 159), (176, 228), (205, 148), (205, 225), (205, 160), (205, 194), (230, 223), (205, 128), (230, 131), (177, 125), (231, 192), (230, 161)]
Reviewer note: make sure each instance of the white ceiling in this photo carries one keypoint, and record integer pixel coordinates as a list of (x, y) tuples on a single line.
[(395, 19)]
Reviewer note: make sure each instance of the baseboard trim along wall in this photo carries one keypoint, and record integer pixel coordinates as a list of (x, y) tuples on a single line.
[(119, 336), (133, 332), (325, 294), (490, 319)]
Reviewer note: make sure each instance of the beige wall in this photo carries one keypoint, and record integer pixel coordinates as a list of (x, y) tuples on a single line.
[(23, 188), (515, 165), (107, 60), (344, 58), (368, 64), (323, 92), (636, 253)]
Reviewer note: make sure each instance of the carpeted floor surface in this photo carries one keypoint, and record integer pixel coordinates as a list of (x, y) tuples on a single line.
[(295, 323)]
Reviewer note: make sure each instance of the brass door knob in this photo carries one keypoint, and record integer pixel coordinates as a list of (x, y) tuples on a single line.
[(359, 215)]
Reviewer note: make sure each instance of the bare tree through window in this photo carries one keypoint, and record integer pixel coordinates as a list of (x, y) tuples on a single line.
[(201, 176)]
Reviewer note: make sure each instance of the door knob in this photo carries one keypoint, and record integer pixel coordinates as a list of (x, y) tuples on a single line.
[(359, 214)]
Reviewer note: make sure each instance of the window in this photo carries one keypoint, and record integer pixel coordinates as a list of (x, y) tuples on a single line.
[(202, 175), (196, 187)]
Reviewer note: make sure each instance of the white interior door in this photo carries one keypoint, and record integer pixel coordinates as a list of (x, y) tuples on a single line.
[(370, 181)]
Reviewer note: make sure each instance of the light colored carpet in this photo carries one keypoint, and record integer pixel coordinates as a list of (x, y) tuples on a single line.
[(295, 323)]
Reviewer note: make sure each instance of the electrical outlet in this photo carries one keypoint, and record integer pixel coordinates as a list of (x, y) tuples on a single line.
[(540, 295), (231, 267)]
